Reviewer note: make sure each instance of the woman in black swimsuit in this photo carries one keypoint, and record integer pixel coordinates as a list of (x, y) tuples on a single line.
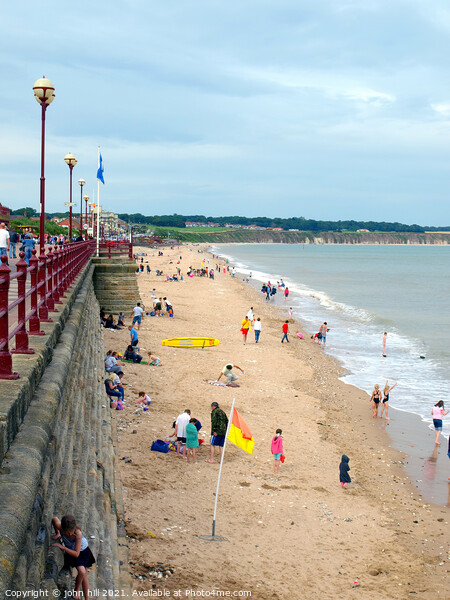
[(385, 405), (375, 399)]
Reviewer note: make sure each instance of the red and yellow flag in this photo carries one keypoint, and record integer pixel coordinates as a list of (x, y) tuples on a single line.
[(240, 435)]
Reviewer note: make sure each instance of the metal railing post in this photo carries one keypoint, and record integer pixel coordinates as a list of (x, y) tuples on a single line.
[(21, 335), (50, 299), (55, 275), (6, 371), (42, 279), (35, 323)]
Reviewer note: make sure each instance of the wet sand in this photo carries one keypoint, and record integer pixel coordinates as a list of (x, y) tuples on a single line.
[(298, 535)]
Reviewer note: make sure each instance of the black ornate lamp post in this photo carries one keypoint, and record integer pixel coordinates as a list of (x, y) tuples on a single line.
[(71, 161), (81, 183), (86, 199), (44, 92)]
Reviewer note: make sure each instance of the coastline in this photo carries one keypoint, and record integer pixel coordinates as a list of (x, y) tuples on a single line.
[(272, 525), (407, 433)]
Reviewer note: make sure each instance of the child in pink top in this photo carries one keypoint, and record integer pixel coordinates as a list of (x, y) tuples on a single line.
[(277, 450)]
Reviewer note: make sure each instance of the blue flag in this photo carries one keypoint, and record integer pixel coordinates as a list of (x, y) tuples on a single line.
[(100, 171)]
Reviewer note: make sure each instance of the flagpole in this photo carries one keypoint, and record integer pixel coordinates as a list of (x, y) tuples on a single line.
[(220, 469), (98, 206)]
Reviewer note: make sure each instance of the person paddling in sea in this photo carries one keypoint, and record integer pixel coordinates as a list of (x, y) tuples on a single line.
[(375, 399), (385, 405), (437, 413), (384, 343)]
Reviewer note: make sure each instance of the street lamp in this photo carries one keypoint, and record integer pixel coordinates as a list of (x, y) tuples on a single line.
[(86, 199), (71, 161), (44, 92), (81, 182)]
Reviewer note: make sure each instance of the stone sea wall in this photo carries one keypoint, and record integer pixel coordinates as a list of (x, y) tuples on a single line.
[(57, 442)]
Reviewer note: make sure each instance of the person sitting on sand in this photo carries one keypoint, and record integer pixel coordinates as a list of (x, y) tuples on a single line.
[(131, 354), (375, 399), (144, 399), (112, 365), (110, 323), (153, 359), (227, 371)]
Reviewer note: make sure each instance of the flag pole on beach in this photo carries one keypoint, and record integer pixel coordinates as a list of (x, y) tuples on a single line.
[(240, 435), (220, 473)]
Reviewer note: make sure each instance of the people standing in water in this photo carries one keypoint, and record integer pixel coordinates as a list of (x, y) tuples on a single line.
[(375, 399), (437, 413), (323, 334), (384, 343), (385, 405), (245, 327)]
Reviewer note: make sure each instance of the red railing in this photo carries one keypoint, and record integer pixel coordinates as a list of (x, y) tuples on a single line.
[(50, 277), (113, 248)]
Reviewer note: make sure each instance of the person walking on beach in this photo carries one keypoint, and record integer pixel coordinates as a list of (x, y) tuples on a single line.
[(250, 315), (227, 371), (137, 313), (219, 425), (344, 468), (245, 328), (437, 413), (384, 343), (257, 329), (276, 448), (385, 405), (285, 329), (323, 333), (286, 292), (133, 335), (375, 399)]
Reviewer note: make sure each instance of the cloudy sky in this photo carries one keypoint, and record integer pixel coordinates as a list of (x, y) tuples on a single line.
[(327, 109)]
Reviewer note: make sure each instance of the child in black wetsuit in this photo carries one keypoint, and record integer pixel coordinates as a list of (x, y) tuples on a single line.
[(344, 468)]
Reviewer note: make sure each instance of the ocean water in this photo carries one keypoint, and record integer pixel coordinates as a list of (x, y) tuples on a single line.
[(362, 291)]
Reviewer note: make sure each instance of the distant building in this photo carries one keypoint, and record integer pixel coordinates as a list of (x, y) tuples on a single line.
[(4, 214), (362, 231), (66, 223)]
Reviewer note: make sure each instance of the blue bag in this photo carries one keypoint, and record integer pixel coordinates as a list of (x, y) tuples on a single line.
[(160, 446)]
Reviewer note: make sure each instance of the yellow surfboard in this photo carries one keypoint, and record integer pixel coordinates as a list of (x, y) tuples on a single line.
[(190, 342)]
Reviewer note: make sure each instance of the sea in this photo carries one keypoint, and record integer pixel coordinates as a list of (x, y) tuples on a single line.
[(361, 291)]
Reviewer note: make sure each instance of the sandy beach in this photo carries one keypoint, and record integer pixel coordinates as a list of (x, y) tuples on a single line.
[(298, 535)]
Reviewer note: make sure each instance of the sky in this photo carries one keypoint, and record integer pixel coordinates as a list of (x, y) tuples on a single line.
[(325, 109)]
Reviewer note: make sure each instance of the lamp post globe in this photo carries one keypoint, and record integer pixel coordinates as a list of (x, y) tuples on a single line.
[(44, 92), (86, 199), (71, 161)]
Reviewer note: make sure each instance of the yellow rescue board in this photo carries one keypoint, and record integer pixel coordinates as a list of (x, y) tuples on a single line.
[(190, 342)]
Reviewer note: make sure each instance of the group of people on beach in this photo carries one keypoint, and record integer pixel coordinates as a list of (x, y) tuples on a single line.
[(377, 398)]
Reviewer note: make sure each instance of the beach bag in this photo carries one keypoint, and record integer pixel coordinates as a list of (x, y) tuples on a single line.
[(160, 446), (113, 404)]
